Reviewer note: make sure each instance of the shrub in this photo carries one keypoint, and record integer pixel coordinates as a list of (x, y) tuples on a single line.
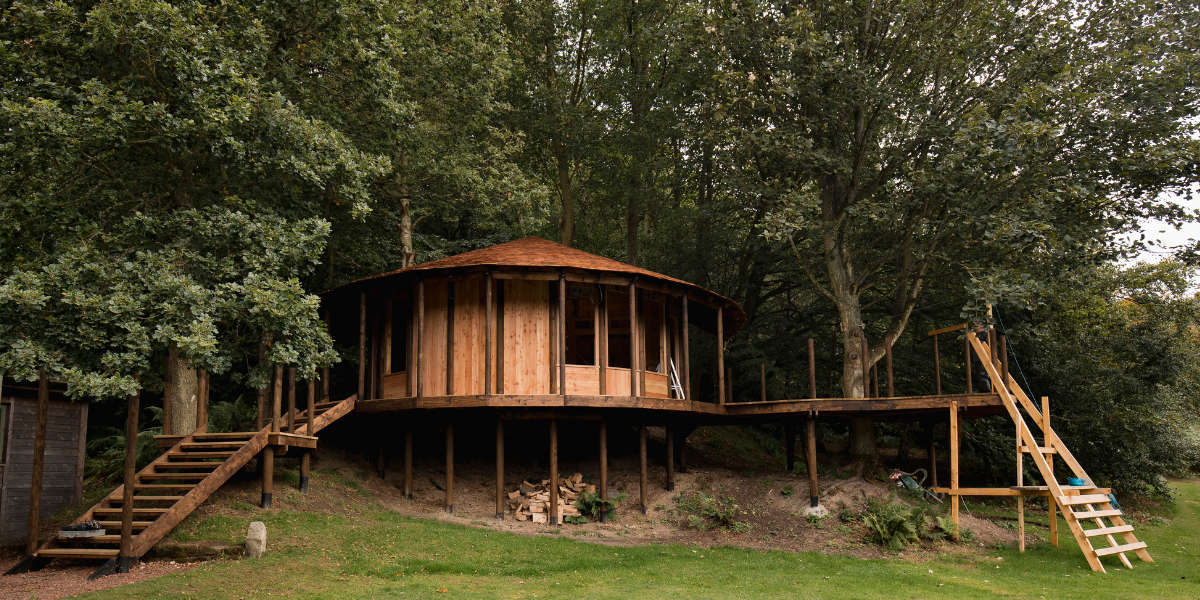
[(706, 512), (896, 526), (590, 505)]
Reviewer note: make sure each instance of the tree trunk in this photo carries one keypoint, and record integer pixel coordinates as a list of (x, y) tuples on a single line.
[(184, 387), (408, 257), (564, 192)]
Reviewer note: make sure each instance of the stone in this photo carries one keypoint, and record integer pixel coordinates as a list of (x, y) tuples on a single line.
[(819, 511), (256, 539)]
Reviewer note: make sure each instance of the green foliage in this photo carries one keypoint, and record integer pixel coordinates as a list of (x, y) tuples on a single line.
[(575, 519), (787, 490), (231, 416), (105, 458), (895, 525), (705, 512), (590, 504)]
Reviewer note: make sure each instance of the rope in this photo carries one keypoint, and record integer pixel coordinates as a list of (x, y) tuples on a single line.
[(1013, 353)]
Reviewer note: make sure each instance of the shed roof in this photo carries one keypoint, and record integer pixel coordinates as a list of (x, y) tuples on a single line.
[(538, 252)]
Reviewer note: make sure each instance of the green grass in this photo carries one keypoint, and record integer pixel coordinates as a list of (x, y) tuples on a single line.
[(377, 553)]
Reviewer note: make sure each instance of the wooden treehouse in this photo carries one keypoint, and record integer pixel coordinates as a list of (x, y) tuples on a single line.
[(533, 330)]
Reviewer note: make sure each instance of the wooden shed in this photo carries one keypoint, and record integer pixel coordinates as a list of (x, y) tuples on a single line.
[(66, 436)]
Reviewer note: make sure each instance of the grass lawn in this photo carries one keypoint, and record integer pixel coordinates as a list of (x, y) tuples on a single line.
[(379, 554)]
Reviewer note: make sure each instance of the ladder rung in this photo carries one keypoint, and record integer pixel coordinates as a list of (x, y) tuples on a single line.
[(1096, 514), (1121, 548), (1107, 530), (1084, 499), (1043, 450)]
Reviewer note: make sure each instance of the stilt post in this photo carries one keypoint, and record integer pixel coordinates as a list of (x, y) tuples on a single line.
[(553, 512), (954, 426), (131, 430), (39, 461), (811, 456), (642, 462), (499, 468)]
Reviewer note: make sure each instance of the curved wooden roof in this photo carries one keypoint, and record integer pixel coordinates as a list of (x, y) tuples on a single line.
[(536, 252)]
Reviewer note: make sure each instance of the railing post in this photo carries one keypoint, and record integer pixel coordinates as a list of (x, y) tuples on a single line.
[(937, 368)]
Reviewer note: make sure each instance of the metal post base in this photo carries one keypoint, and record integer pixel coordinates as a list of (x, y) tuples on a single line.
[(303, 485), (266, 500), (645, 511), (28, 564), (604, 516), (113, 566), (381, 474), (670, 486), (499, 516), (450, 508), (813, 501)]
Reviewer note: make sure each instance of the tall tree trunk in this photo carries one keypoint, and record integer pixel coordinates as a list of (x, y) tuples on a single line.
[(184, 387), (408, 257), (564, 192), (632, 215)]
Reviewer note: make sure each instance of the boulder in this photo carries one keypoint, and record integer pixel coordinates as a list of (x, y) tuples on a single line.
[(256, 539)]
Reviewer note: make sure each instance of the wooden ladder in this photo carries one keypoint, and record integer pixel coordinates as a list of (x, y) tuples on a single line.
[(168, 490), (1077, 504)]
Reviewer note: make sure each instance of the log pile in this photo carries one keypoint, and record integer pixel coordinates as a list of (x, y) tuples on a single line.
[(532, 502)]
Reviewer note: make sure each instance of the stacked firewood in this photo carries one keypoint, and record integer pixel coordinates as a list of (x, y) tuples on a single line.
[(532, 502)]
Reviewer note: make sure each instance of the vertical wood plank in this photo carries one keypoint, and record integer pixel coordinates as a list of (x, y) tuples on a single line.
[(291, 396), (602, 336), (1004, 360), (373, 360), (500, 356), (604, 470), (553, 512), (762, 382), (967, 358), (562, 334), (642, 462), (812, 370), (362, 344), (499, 470), (451, 288), (131, 430), (937, 368), (555, 326), (388, 326), (633, 342), (420, 341), (875, 380), (664, 351), (721, 356), (954, 424), (810, 456), (1020, 482), (450, 467), (687, 364), (489, 319)]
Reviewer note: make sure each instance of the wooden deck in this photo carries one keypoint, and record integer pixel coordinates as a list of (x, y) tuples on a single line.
[(904, 407)]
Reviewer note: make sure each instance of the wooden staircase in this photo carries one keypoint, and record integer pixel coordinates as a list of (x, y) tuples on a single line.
[(174, 485), (1080, 505)]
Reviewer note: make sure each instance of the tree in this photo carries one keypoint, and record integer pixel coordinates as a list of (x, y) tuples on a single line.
[(907, 145)]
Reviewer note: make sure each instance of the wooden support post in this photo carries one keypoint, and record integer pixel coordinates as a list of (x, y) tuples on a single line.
[(967, 358), (450, 467), (408, 462), (500, 337), (306, 457), (267, 457), (633, 342), (553, 512), (812, 370), (937, 368), (562, 334), (131, 430), (499, 469), (670, 458), (291, 396), (874, 380), (362, 345), (601, 320), (1052, 507), (603, 471), (762, 382), (866, 366), (642, 462), (687, 365), (1020, 482), (419, 390), (789, 446), (450, 290), (489, 318), (811, 458), (891, 388), (1004, 362), (721, 356), (201, 400), (954, 424)]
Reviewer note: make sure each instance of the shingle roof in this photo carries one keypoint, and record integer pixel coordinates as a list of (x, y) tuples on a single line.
[(538, 252)]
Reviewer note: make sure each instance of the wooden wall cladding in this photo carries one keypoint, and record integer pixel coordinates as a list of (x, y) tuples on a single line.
[(526, 337), (583, 380), (617, 381), (469, 335), (657, 386), (395, 385), (433, 341), (62, 476)]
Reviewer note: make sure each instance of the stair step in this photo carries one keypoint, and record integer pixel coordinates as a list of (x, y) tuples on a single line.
[(1084, 499), (211, 445), (201, 454), (95, 539), (146, 498), (1121, 548), (187, 465), (137, 510), (245, 435), (117, 524), (1096, 514), (78, 552), (154, 476), (163, 486), (1107, 530)]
